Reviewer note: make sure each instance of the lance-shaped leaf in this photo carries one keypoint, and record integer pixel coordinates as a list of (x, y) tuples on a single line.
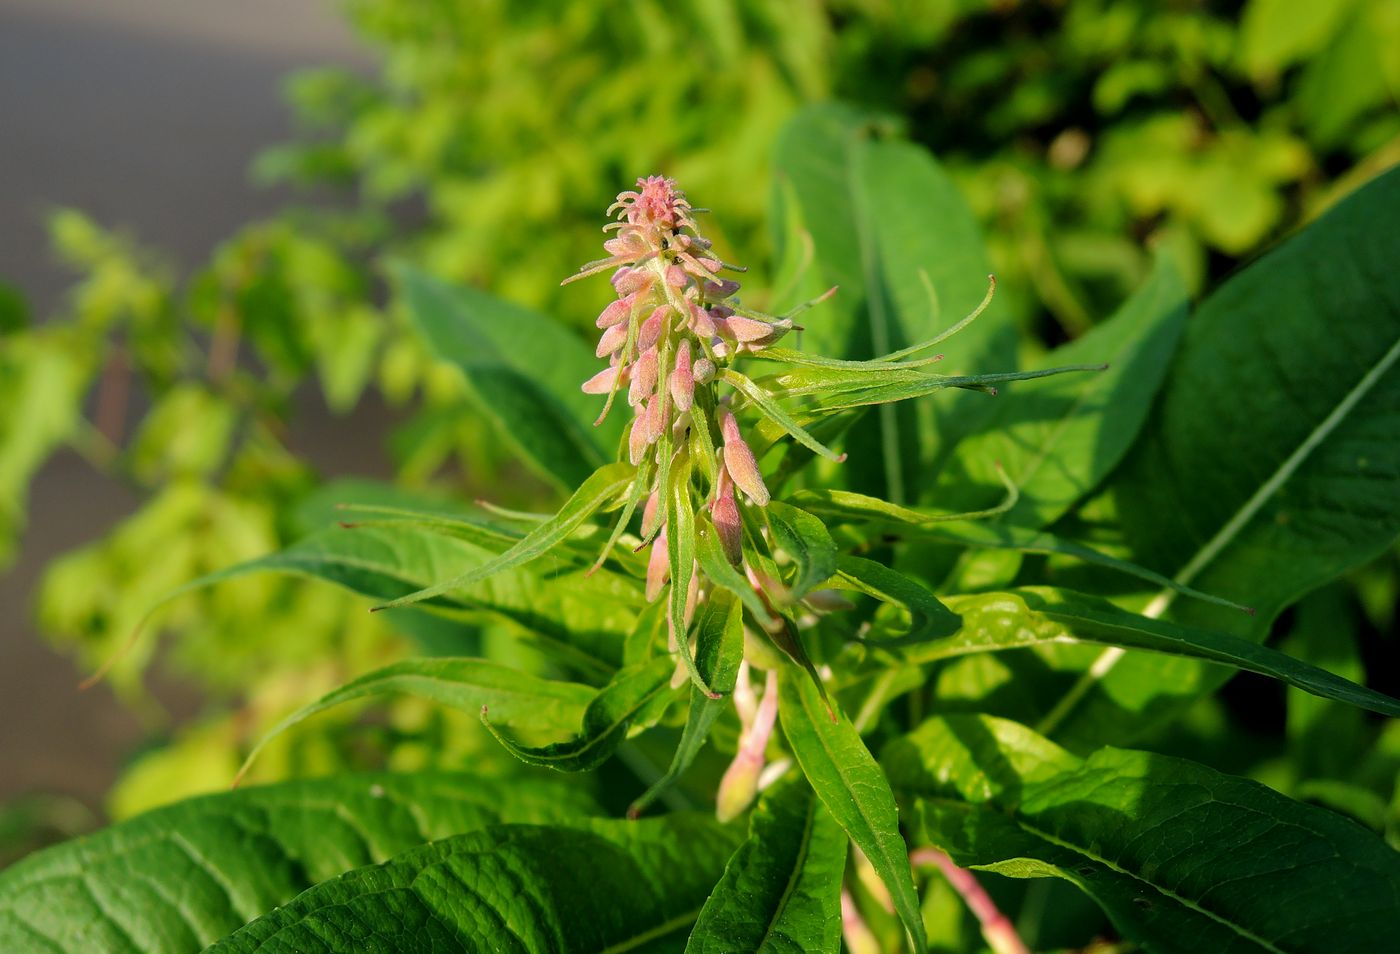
[(598, 490), (719, 649), (803, 538), (177, 879), (852, 787), (597, 886), (514, 698), (523, 371), (1044, 616), (636, 695), (1272, 448), (782, 889), (1180, 857), (773, 411), (680, 544), (929, 618)]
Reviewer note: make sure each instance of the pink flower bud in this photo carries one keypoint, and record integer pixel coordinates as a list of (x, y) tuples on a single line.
[(740, 462), (616, 312), (637, 442), (628, 280), (602, 382), (658, 567), (682, 380), (704, 371), (724, 513), (749, 329), (700, 322), (644, 376), (612, 339), (739, 786), (650, 332), (655, 420), (675, 276), (720, 289), (650, 513)]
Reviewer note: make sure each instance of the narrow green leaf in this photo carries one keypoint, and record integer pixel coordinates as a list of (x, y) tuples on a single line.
[(852, 787), (720, 572), (803, 538), (601, 886), (523, 370), (605, 483), (1042, 616), (634, 693), (1180, 857), (781, 892), (680, 545), (179, 878), (516, 699), (719, 649), (929, 618), (771, 410)]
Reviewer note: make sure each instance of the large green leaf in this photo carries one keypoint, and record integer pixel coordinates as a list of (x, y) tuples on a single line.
[(851, 786), (781, 892), (601, 886), (179, 878), (1271, 461), (523, 369), (806, 541), (889, 227), (1181, 857), (1056, 438), (1043, 616)]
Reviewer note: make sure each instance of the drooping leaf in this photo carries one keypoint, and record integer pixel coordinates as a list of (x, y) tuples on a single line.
[(1056, 438), (929, 618), (180, 878), (852, 787), (1180, 857), (523, 370), (719, 649), (599, 886), (635, 694), (803, 538), (514, 698), (1044, 616), (602, 486), (781, 892), (1271, 461)]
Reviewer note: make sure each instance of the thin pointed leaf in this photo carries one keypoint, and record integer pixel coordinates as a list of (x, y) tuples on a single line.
[(929, 618), (852, 787), (770, 409), (599, 489), (680, 544), (803, 538), (710, 552)]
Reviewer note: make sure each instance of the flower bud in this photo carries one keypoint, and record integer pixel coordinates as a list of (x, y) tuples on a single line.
[(675, 276), (650, 331), (637, 442), (644, 376), (720, 289), (612, 339), (602, 382), (704, 371), (700, 322), (628, 280), (740, 462), (658, 567), (682, 380), (651, 512), (724, 513), (654, 420), (748, 329)]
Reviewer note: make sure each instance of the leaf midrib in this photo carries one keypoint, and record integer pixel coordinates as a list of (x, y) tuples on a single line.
[(796, 874)]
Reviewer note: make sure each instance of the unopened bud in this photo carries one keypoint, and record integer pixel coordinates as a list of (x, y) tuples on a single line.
[(637, 442), (682, 379), (720, 289), (675, 276), (602, 382), (740, 462), (650, 332), (617, 311), (739, 786), (724, 513), (612, 339), (628, 280), (700, 322), (658, 567), (703, 371), (643, 378), (650, 514)]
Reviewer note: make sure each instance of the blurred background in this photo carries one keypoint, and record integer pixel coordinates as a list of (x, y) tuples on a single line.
[(197, 340)]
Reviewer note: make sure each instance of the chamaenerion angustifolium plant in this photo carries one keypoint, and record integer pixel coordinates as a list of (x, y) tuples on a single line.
[(722, 559)]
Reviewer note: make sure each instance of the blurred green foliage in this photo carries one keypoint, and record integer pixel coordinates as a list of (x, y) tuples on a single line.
[(1083, 133)]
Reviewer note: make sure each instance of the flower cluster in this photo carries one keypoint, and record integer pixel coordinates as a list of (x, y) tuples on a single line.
[(673, 327)]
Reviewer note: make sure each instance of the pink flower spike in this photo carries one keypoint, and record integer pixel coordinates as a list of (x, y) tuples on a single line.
[(740, 462), (612, 339), (658, 567), (643, 378), (682, 380), (650, 332)]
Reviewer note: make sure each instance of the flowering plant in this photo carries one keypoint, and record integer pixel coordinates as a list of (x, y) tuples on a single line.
[(906, 766)]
